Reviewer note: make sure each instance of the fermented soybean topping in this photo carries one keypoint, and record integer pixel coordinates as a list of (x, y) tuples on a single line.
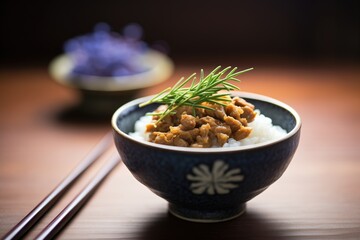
[(205, 128)]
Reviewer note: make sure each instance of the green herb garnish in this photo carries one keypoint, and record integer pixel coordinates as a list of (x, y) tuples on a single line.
[(207, 89)]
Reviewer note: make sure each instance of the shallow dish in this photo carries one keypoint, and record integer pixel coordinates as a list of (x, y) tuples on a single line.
[(104, 94), (208, 184)]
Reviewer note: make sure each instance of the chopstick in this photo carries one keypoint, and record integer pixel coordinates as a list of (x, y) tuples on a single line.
[(34, 215), (75, 205)]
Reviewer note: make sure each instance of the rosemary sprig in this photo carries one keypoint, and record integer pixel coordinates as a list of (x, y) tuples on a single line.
[(205, 90)]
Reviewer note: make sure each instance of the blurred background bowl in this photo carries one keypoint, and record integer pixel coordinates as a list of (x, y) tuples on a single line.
[(102, 95)]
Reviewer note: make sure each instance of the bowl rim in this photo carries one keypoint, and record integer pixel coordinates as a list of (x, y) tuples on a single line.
[(160, 68), (248, 95)]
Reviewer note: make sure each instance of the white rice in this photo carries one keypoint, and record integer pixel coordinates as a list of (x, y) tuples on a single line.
[(262, 131)]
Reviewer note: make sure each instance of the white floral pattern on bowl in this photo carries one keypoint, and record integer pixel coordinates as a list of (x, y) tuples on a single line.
[(218, 180)]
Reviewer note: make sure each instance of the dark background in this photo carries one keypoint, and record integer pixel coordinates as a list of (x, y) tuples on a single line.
[(35, 31)]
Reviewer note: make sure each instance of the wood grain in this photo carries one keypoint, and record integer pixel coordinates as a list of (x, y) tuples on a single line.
[(318, 197)]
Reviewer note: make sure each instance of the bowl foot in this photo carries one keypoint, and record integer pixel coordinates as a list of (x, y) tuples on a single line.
[(206, 216)]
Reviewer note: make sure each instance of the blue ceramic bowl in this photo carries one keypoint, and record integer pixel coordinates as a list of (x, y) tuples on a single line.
[(211, 184)]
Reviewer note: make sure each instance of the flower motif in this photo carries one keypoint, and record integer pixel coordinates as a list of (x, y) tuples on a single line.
[(218, 180)]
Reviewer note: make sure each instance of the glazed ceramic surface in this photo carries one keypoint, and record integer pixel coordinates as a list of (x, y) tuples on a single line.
[(211, 184)]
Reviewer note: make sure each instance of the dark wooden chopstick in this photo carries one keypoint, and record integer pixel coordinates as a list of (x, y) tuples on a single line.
[(75, 205), (31, 218)]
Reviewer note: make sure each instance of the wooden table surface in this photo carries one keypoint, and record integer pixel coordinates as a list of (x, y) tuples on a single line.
[(318, 197)]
